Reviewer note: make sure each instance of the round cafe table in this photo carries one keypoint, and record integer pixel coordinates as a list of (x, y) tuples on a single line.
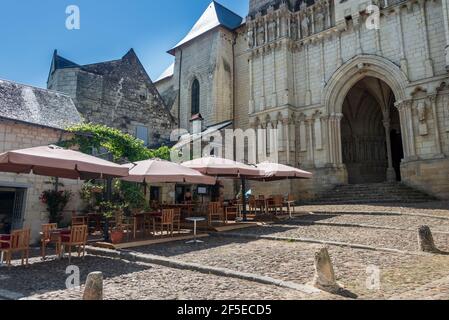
[(195, 220)]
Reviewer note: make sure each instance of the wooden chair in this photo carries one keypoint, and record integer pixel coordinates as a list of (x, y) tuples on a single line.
[(76, 238), (276, 203), (252, 205), (215, 211), (177, 219), (18, 241), (46, 238), (80, 220), (231, 211), (290, 203), (165, 220)]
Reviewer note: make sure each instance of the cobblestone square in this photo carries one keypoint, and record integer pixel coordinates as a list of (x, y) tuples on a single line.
[(405, 274)]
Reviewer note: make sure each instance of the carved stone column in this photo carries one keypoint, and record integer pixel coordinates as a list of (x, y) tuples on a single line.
[(358, 44), (428, 61), (445, 4), (407, 130), (404, 65), (433, 102), (262, 83), (334, 139), (307, 70), (310, 150), (251, 86), (391, 174), (261, 144)]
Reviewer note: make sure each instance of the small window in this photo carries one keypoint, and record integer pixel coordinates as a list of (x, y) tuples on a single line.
[(142, 134), (195, 97)]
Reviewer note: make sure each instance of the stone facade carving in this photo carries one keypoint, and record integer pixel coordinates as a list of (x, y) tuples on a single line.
[(305, 25), (293, 29), (250, 37), (272, 30), (319, 21), (422, 117), (261, 35)]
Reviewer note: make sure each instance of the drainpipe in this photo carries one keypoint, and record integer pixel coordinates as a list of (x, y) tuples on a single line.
[(179, 91), (56, 178)]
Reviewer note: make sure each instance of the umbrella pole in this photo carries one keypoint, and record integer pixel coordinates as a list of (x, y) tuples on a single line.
[(245, 216), (108, 198)]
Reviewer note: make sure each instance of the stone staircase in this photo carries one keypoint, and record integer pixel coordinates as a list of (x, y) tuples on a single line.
[(372, 193)]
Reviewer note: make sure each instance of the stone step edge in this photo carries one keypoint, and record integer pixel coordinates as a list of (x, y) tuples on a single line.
[(380, 213), (316, 241), (223, 272), (356, 225)]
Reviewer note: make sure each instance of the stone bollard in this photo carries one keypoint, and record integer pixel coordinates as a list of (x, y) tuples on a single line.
[(324, 272), (94, 287), (425, 240)]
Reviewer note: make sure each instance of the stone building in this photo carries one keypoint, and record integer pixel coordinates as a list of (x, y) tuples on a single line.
[(350, 102), (31, 117), (118, 93)]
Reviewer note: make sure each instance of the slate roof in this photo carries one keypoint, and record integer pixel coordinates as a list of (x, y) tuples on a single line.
[(215, 15), (169, 72), (37, 106), (187, 138)]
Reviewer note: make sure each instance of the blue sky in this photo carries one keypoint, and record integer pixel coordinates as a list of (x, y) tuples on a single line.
[(30, 30)]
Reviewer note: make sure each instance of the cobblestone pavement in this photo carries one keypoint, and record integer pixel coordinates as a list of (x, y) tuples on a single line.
[(396, 221), (402, 276), (294, 261), (136, 281), (393, 239), (439, 208)]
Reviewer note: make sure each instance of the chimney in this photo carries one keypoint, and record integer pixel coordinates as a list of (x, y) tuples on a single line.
[(197, 123)]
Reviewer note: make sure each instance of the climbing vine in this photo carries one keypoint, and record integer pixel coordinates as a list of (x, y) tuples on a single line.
[(121, 145)]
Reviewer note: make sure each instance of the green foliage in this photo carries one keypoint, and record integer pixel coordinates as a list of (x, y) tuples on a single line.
[(131, 194), (56, 201), (109, 208), (91, 193), (121, 145)]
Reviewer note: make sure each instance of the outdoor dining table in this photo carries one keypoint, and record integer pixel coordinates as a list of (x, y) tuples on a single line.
[(195, 220), (143, 216), (56, 238)]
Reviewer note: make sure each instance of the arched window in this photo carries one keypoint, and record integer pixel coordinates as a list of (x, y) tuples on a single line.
[(195, 97)]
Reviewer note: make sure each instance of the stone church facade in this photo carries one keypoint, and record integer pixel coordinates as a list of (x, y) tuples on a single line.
[(351, 103)]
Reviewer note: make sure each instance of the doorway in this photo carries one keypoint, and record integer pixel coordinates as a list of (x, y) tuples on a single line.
[(369, 121), (11, 209)]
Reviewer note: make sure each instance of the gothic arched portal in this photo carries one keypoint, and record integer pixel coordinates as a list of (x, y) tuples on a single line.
[(371, 133)]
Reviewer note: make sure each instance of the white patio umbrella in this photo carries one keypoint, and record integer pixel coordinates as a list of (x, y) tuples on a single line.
[(161, 171), (220, 167)]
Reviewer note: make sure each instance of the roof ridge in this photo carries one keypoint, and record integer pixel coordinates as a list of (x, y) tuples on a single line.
[(35, 87)]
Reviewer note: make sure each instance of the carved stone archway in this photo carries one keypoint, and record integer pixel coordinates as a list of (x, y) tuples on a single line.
[(343, 80)]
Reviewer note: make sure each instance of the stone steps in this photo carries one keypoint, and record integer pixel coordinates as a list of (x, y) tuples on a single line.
[(372, 193)]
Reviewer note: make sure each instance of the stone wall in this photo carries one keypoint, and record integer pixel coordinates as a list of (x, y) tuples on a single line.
[(118, 94), (210, 60), (294, 70), (17, 136)]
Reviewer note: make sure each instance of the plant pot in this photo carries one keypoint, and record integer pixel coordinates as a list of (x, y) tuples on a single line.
[(117, 236), (97, 190)]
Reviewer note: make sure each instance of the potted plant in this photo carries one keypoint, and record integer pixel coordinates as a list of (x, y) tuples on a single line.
[(56, 201), (109, 210)]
